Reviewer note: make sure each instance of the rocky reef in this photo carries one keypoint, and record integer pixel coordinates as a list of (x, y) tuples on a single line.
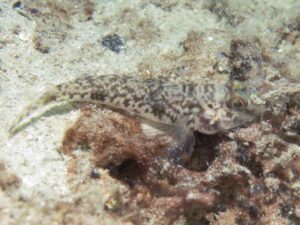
[(103, 166)]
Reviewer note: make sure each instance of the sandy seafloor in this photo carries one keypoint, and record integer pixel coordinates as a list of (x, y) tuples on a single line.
[(43, 43)]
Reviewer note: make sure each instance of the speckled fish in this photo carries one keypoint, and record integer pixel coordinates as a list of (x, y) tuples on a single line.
[(176, 109)]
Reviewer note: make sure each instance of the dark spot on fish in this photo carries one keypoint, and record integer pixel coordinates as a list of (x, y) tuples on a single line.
[(158, 109), (100, 96), (137, 98), (126, 102), (140, 104), (173, 118), (186, 113), (170, 106), (113, 97), (34, 11), (71, 95), (82, 95)]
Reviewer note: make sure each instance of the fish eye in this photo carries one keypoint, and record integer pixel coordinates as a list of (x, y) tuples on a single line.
[(237, 103)]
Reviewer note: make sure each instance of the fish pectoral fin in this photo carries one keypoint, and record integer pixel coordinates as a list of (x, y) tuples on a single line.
[(167, 128), (182, 152)]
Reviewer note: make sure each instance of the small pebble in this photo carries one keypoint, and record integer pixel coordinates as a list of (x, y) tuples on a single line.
[(113, 42), (17, 4), (34, 11)]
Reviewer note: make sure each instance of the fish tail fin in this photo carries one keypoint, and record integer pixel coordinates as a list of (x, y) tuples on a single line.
[(48, 97)]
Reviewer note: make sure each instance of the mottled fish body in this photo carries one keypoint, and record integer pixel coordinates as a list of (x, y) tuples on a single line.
[(178, 109)]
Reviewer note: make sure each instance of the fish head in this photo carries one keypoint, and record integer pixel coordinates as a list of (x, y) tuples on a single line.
[(230, 106)]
